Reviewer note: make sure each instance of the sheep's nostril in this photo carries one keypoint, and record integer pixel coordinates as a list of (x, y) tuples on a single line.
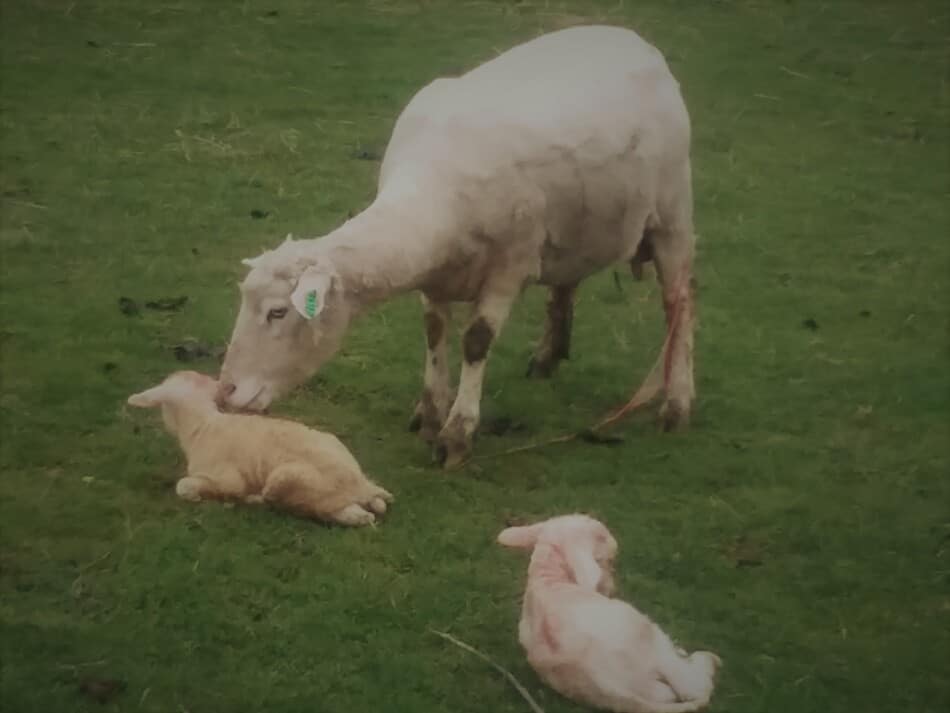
[(224, 392)]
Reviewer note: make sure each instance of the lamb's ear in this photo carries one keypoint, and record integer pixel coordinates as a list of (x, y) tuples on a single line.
[(584, 568), (524, 537), (310, 295), (149, 398), (251, 261)]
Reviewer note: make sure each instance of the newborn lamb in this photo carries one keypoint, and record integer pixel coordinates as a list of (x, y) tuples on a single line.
[(258, 459), (589, 647)]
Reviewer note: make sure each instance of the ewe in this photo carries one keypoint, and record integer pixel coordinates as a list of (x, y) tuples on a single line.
[(545, 165), (258, 459), (597, 650)]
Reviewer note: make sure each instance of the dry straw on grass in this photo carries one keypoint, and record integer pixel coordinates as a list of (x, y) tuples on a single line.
[(503, 671)]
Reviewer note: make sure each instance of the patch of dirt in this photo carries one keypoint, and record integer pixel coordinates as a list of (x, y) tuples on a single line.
[(167, 304), (744, 551), (101, 690), (189, 350)]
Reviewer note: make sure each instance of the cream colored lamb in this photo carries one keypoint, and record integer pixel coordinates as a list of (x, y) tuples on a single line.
[(261, 460), (589, 647)]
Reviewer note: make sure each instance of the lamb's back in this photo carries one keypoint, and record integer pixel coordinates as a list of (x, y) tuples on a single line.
[(272, 442)]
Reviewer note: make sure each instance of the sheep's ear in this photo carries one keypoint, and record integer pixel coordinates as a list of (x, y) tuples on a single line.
[(251, 261), (310, 295), (149, 398), (521, 537), (584, 568), (289, 238)]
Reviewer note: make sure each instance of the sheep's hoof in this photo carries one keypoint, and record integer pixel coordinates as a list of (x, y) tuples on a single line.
[(541, 369), (426, 431), (425, 421), (451, 454), (674, 415)]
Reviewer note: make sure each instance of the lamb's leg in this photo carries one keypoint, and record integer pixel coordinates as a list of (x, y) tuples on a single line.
[(378, 501), (673, 257), (555, 345), (353, 516), (692, 677), (223, 484), (433, 406), (296, 487), (454, 443)]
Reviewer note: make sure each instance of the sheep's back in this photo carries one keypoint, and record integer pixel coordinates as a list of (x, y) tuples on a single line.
[(587, 91)]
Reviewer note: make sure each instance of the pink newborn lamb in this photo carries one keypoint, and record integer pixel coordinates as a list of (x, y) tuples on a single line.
[(258, 459), (589, 647)]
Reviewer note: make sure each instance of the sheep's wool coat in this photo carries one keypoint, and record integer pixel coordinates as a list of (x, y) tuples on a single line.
[(555, 156)]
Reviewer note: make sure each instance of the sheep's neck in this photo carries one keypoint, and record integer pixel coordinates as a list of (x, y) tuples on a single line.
[(384, 251), (187, 422)]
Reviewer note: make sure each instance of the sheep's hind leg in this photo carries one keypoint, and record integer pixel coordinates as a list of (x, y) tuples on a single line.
[(555, 345), (433, 407), (673, 258), (454, 443)]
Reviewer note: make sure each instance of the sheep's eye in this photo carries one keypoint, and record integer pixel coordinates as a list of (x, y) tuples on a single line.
[(276, 313)]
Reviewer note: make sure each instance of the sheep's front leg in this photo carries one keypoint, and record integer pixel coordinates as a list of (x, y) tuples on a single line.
[(454, 443), (433, 407), (555, 345)]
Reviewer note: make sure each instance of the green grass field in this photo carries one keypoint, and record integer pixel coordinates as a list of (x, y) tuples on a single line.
[(801, 528)]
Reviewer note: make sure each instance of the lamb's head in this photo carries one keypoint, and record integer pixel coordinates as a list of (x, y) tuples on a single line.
[(181, 389), (292, 319), (581, 546)]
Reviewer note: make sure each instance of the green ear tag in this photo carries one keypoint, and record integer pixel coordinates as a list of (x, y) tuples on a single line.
[(311, 306)]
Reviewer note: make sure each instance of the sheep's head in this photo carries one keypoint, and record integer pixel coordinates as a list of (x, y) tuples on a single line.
[(180, 388), (584, 544), (292, 319)]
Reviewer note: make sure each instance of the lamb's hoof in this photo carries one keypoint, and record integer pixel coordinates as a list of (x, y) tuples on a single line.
[(674, 415), (187, 489), (354, 516), (376, 505)]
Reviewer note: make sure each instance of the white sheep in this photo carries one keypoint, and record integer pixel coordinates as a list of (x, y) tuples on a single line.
[(550, 162), (589, 647), (261, 460)]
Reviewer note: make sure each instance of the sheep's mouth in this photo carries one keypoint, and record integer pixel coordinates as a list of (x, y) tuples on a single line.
[(247, 406)]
